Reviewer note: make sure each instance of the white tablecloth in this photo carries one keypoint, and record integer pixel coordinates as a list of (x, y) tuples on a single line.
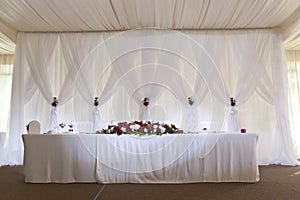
[(212, 157)]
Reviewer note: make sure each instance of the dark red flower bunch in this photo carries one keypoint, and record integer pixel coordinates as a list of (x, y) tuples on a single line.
[(232, 101), (71, 127), (191, 101), (119, 130), (146, 101), (113, 129), (171, 129), (141, 123), (55, 102), (96, 101), (62, 125)]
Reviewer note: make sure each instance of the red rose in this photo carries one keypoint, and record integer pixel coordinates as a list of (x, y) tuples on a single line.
[(55, 102), (119, 131), (173, 126), (146, 101), (232, 101)]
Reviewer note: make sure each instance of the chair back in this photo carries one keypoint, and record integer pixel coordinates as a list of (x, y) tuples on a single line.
[(34, 127)]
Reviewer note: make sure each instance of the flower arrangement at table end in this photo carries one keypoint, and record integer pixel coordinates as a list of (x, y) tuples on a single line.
[(141, 128)]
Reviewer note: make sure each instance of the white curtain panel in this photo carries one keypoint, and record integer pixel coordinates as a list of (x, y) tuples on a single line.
[(6, 69), (293, 64), (122, 68), (84, 73), (39, 66), (268, 90)]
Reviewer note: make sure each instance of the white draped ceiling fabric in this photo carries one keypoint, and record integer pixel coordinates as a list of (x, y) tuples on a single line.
[(122, 68), (104, 15)]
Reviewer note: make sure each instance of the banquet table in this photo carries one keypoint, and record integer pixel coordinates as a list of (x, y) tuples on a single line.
[(170, 158)]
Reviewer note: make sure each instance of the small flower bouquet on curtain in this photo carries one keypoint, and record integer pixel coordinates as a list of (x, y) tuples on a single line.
[(54, 102), (146, 101), (191, 101), (232, 101)]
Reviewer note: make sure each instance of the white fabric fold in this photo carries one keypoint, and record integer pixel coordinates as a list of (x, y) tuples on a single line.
[(210, 157)]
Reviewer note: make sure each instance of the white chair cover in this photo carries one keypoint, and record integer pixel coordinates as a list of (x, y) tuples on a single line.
[(34, 127)]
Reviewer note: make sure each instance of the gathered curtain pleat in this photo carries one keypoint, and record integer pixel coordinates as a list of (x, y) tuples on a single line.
[(293, 66), (274, 92)]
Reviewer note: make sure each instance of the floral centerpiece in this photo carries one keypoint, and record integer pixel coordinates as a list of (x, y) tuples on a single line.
[(141, 128)]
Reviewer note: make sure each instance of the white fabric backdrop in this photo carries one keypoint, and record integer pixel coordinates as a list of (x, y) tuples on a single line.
[(6, 69), (293, 63), (122, 68)]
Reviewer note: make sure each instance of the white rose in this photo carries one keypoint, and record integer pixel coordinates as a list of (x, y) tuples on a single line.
[(145, 130), (136, 127), (123, 129), (155, 126)]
